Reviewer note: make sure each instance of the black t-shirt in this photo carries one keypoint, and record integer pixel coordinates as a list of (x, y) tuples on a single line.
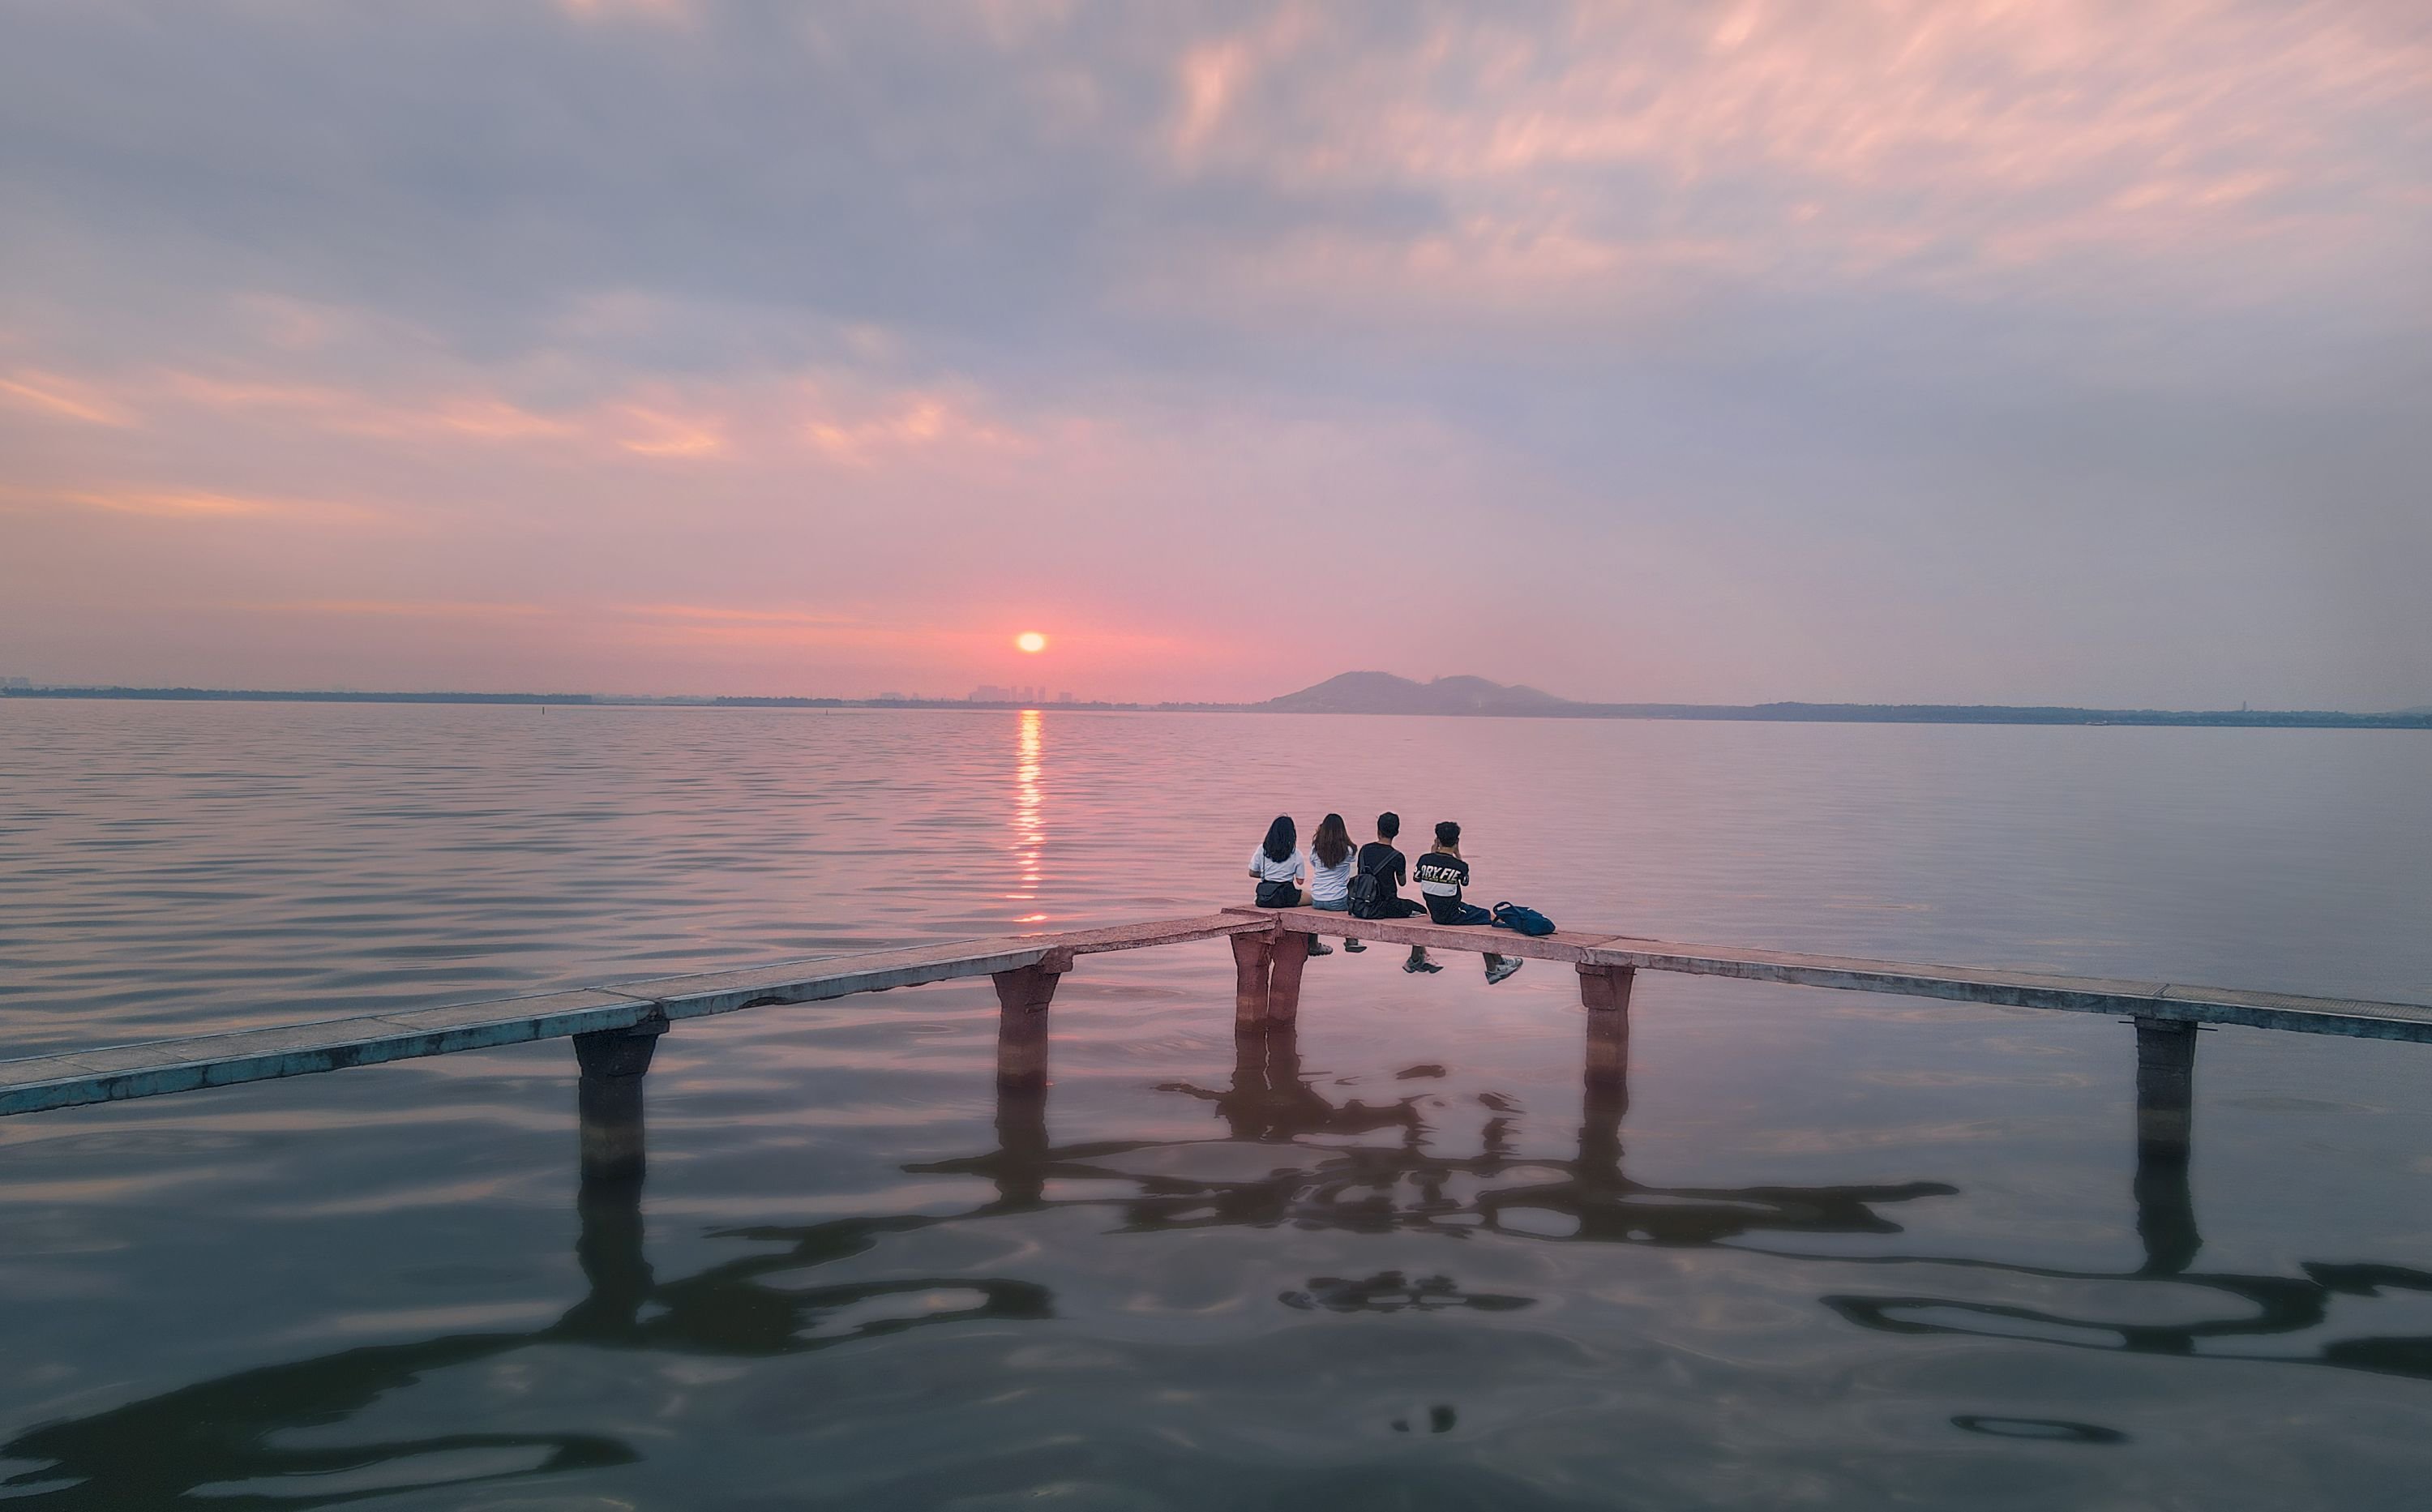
[(1441, 880), (1385, 863)]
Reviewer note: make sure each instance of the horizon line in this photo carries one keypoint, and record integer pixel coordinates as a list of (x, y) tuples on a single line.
[(1781, 709)]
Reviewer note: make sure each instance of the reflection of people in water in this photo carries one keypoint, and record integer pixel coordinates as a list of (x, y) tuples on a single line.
[(1269, 1100), (236, 1428)]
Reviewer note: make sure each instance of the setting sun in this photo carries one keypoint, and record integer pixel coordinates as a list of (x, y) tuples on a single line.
[(1032, 642)]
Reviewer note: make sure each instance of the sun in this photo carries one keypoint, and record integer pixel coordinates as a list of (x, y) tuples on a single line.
[(1031, 641)]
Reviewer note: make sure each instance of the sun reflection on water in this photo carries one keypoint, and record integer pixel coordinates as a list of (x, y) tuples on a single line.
[(1029, 809)]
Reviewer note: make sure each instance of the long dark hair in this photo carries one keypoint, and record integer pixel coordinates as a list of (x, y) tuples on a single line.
[(1281, 837), (1331, 842)]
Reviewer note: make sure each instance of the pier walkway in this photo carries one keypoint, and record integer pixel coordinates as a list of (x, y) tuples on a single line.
[(616, 1026)]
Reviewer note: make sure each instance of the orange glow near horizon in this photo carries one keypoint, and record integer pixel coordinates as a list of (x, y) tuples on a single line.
[(1916, 307)]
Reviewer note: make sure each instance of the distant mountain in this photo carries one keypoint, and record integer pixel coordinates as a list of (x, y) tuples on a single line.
[(1384, 693)]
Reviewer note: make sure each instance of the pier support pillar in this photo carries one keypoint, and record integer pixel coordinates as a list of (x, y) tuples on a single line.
[(608, 1099), (1283, 981), (1023, 996), (2165, 1209), (1254, 957), (1604, 991)]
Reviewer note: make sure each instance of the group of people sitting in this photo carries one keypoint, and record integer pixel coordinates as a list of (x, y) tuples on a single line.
[(1326, 878)]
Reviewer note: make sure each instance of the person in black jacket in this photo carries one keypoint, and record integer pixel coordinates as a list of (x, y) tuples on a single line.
[(1380, 859), (1441, 874)]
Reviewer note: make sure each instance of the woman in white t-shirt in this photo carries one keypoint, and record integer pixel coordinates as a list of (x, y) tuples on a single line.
[(1280, 867), (1332, 859)]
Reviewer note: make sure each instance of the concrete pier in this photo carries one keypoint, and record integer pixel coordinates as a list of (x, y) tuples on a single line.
[(615, 1024), (1604, 991), (1023, 996), (1254, 957), (608, 1099), (1290, 959), (1267, 969)]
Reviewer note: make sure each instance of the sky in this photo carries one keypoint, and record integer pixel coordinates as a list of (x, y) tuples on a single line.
[(1894, 351)]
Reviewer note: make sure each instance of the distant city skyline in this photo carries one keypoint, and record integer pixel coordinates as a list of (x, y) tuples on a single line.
[(2043, 353)]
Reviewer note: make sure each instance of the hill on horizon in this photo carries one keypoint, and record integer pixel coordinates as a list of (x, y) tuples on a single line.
[(1384, 693)]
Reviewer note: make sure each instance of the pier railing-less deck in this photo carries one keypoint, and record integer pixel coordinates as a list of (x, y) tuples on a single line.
[(616, 1026)]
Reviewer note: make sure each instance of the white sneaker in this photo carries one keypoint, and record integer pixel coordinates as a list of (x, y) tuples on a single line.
[(1501, 970)]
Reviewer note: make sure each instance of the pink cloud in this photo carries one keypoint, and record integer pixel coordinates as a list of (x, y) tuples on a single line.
[(191, 503), (1795, 136), (186, 504), (354, 411), (862, 432), (657, 433), (400, 609), (758, 455), (59, 397)]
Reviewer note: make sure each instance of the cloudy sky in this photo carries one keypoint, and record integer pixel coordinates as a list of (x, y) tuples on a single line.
[(1960, 351)]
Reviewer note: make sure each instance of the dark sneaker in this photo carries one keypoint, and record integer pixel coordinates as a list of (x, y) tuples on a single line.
[(1319, 948), (1414, 967), (1501, 970), (1355, 946)]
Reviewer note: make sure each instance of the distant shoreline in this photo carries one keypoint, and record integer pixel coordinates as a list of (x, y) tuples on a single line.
[(1760, 713)]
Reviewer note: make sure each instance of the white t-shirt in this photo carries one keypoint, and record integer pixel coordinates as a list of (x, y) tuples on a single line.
[(1332, 884), (1267, 869)]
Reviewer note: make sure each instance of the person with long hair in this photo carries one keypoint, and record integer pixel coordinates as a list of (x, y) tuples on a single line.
[(1280, 867), (1332, 858)]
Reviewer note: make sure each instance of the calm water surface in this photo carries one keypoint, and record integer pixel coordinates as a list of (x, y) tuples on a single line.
[(1828, 1251)]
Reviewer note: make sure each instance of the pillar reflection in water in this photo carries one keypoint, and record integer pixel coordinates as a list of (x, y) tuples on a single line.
[(2252, 1306), (609, 1248), (1604, 992), (243, 1427)]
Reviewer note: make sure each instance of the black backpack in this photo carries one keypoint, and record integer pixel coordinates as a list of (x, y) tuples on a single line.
[(1369, 894)]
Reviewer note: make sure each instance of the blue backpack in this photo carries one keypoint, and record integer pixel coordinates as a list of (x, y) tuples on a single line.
[(1518, 919)]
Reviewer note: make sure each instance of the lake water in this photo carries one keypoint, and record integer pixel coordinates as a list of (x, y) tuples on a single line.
[(1830, 1250)]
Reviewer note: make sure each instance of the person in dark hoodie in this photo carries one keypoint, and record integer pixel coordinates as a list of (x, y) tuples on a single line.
[(1441, 874), (1382, 859)]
